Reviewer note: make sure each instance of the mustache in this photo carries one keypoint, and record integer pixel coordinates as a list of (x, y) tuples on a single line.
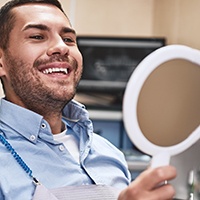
[(56, 58)]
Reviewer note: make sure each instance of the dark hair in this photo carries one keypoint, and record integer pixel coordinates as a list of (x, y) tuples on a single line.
[(7, 18)]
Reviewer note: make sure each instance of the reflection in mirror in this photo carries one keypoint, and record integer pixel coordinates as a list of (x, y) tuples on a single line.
[(168, 108)]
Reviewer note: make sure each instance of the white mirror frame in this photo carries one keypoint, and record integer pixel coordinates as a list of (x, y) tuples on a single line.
[(161, 155)]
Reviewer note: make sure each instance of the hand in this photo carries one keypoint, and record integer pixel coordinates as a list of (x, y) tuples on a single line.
[(145, 186)]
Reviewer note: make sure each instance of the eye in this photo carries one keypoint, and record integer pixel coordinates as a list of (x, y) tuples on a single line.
[(68, 40), (37, 37)]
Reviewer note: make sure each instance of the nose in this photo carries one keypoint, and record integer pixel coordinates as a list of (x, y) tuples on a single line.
[(57, 46)]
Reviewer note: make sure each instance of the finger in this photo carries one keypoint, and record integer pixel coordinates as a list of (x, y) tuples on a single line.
[(136, 192), (164, 174), (164, 192), (151, 178)]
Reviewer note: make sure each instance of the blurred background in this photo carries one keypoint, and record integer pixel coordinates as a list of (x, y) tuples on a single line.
[(177, 20)]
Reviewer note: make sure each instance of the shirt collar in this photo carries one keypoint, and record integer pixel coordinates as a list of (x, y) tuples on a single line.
[(31, 122), (27, 125), (74, 111), (76, 114)]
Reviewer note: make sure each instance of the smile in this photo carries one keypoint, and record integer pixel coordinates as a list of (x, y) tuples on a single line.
[(55, 70)]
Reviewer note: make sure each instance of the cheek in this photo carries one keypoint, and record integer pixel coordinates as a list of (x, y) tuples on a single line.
[(80, 63), (32, 54), (78, 56), (27, 56)]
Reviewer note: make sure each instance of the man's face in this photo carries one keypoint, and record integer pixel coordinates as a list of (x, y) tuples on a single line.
[(42, 62)]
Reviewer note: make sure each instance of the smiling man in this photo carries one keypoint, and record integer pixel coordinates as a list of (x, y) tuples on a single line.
[(47, 62), (44, 133)]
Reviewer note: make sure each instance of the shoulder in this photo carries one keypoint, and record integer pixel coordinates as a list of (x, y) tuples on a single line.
[(112, 158), (103, 145)]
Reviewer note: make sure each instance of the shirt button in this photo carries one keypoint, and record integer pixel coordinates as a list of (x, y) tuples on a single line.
[(62, 148), (32, 137), (43, 125)]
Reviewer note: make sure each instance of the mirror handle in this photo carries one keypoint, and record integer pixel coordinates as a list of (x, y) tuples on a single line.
[(160, 159)]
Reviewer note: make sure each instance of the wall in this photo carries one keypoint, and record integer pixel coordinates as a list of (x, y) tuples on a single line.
[(114, 17), (178, 20)]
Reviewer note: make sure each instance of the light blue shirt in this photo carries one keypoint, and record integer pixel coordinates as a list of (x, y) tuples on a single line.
[(30, 135)]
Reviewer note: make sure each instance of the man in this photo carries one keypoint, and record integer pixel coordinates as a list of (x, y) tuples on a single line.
[(44, 133)]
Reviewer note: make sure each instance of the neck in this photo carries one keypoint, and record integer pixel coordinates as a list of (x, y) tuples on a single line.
[(56, 124)]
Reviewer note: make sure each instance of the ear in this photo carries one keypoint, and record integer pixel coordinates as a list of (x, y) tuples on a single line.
[(2, 70)]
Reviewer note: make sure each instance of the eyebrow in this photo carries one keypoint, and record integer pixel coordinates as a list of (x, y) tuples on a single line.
[(46, 28), (68, 30), (36, 26)]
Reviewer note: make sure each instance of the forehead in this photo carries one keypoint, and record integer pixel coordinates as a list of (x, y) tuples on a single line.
[(40, 13)]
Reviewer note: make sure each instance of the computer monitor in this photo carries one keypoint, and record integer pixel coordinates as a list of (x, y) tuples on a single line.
[(108, 63)]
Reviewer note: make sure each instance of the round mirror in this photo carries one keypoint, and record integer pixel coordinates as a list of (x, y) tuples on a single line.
[(161, 108)]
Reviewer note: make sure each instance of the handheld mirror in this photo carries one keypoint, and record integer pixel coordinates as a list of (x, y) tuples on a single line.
[(161, 107)]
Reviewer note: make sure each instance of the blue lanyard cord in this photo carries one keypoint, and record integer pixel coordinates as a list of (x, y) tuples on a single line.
[(16, 156)]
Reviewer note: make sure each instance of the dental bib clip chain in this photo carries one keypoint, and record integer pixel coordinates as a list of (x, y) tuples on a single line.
[(18, 159)]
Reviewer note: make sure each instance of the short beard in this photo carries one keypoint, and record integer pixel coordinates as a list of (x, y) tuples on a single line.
[(31, 90)]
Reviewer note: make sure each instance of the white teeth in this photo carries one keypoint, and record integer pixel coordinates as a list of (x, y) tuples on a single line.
[(54, 70)]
